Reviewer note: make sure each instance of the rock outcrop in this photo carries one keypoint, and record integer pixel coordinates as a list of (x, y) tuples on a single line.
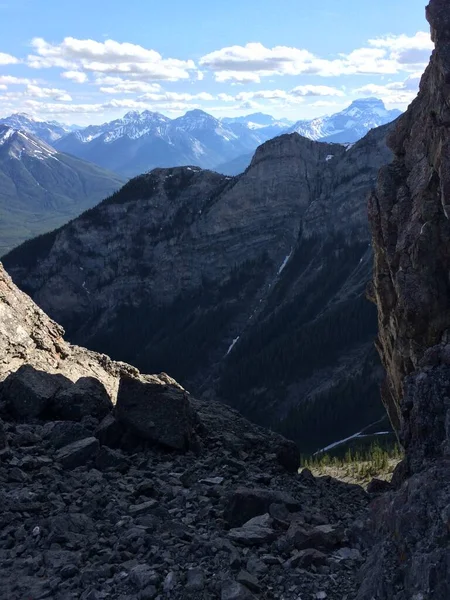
[(409, 215), (224, 282), (411, 231)]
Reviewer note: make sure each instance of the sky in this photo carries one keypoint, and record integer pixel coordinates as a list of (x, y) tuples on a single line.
[(91, 61)]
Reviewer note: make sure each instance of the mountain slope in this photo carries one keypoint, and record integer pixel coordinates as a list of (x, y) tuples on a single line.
[(48, 131), (349, 125), (218, 279), (41, 189), (142, 141)]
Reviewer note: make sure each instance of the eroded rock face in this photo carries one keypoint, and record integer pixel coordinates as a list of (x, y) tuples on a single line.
[(410, 214)]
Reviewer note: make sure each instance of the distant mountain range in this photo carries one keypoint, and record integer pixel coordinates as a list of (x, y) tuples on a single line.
[(41, 188), (142, 141), (47, 131), (349, 125)]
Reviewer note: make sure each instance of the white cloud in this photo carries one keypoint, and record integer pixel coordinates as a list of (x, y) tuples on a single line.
[(52, 108), (76, 76), (41, 92), (108, 57), (294, 96), (10, 80), (224, 76), (395, 93), (316, 90), (387, 55), (7, 59), (176, 97), (116, 85), (3, 87)]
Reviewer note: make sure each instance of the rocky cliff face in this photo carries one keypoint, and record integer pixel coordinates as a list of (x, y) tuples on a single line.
[(411, 228), (410, 223), (219, 280)]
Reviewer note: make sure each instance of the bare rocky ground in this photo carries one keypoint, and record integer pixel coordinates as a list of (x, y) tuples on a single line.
[(92, 511), (148, 524)]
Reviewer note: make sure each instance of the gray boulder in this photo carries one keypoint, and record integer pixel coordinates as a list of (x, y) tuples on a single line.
[(255, 532), (111, 459), (245, 503), (86, 397), (233, 590), (109, 432), (27, 392), (155, 412), (78, 453), (2, 436), (63, 433)]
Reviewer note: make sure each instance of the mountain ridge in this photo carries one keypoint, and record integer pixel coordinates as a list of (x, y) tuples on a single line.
[(210, 258), (41, 188)]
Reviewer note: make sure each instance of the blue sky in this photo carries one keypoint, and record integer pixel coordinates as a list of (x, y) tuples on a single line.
[(91, 61)]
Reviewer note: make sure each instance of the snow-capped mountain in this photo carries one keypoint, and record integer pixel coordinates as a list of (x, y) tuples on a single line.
[(258, 120), (48, 131), (349, 125), (265, 127), (41, 188), (142, 141)]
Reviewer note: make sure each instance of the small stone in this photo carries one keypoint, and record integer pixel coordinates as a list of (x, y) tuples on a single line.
[(348, 554), (213, 480), (306, 558), (233, 590), (170, 581), (142, 576), (249, 581), (69, 571), (111, 459), (195, 580), (78, 453), (109, 432), (255, 532), (2, 436), (139, 509)]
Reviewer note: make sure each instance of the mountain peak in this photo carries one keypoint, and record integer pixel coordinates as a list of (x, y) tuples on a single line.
[(197, 113), (372, 101)]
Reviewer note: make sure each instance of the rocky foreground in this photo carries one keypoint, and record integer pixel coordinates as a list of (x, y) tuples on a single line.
[(120, 485)]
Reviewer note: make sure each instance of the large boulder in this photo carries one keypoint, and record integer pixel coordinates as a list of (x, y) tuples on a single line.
[(27, 392), (86, 397), (156, 412), (246, 503), (63, 433)]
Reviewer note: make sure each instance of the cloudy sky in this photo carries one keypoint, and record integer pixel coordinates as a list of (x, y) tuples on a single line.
[(90, 61)]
